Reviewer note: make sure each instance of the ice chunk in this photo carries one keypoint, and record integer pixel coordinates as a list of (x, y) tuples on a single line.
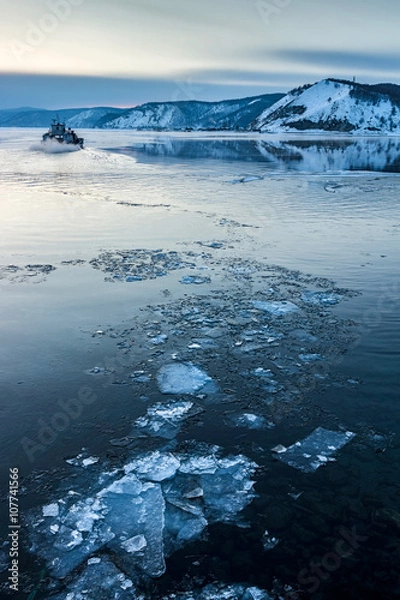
[(198, 465), (315, 450), (165, 420), (162, 501), (276, 308), (51, 510), (310, 357), (130, 517), (134, 544), (129, 485), (248, 420), (104, 581), (182, 378), (195, 279), (223, 592), (269, 541), (320, 298), (159, 339), (82, 461), (154, 466)]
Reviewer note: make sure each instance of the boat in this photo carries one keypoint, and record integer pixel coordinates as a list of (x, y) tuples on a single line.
[(58, 132)]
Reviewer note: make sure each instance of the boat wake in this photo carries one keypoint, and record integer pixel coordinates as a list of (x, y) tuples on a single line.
[(53, 147)]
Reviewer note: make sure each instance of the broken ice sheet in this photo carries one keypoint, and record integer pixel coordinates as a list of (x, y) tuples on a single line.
[(269, 541), (161, 502), (321, 298), (220, 591), (315, 450), (183, 378), (248, 420), (165, 420), (104, 581), (195, 279), (277, 309), (82, 461)]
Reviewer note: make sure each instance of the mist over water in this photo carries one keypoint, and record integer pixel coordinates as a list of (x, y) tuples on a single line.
[(53, 147)]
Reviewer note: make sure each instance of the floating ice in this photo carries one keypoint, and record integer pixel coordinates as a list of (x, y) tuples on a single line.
[(195, 279), (310, 357), (134, 544), (315, 450), (51, 510), (159, 339), (165, 420), (248, 178), (269, 541), (182, 378), (81, 461), (276, 308), (104, 581), (140, 264), (214, 245), (248, 420), (321, 298), (155, 466), (223, 592), (161, 502)]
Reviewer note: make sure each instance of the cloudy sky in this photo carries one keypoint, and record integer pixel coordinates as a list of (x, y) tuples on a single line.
[(69, 53)]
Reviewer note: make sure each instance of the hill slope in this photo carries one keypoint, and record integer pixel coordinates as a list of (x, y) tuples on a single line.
[(334, 105), (73, 117), (198, 116)]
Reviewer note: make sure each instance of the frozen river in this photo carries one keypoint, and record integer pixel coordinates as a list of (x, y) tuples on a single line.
[(201, 332)]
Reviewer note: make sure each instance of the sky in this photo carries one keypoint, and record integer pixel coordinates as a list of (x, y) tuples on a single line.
[(79, 53)]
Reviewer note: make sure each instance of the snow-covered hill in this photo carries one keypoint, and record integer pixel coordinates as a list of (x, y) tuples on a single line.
[(73, 117), (329, 105), (193, 115), (335, 105)]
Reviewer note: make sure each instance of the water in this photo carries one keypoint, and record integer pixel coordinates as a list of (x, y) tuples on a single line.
[(245, 218)]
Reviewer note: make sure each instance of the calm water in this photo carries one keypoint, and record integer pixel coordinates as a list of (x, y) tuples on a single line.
[(328, 208)]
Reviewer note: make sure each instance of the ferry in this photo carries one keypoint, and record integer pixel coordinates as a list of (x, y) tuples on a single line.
[(58, 132)]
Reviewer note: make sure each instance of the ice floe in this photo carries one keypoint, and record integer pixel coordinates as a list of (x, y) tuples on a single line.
[(182, 378), (102, 580), (195, 279), (159, 501), (248, 420), (315, 450), (321, 298), (277, 309), (165, 420), (140, 264)]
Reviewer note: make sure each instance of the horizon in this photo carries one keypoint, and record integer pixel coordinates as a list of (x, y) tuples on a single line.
[(84, 53)]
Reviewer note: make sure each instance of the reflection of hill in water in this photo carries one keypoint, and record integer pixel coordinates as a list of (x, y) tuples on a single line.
[(309, 155)]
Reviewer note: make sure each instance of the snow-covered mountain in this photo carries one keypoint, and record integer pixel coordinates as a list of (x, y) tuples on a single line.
[(193, 115), (330, 105), (73, 117), (334, 105)]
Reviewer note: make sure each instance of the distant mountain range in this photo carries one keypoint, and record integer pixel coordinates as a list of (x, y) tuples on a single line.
[(330, 105)]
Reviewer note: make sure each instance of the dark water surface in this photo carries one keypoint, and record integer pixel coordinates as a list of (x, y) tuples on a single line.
[(259, 219)]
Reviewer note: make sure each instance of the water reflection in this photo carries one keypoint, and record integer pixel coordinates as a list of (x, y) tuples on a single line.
[(308, 155)]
